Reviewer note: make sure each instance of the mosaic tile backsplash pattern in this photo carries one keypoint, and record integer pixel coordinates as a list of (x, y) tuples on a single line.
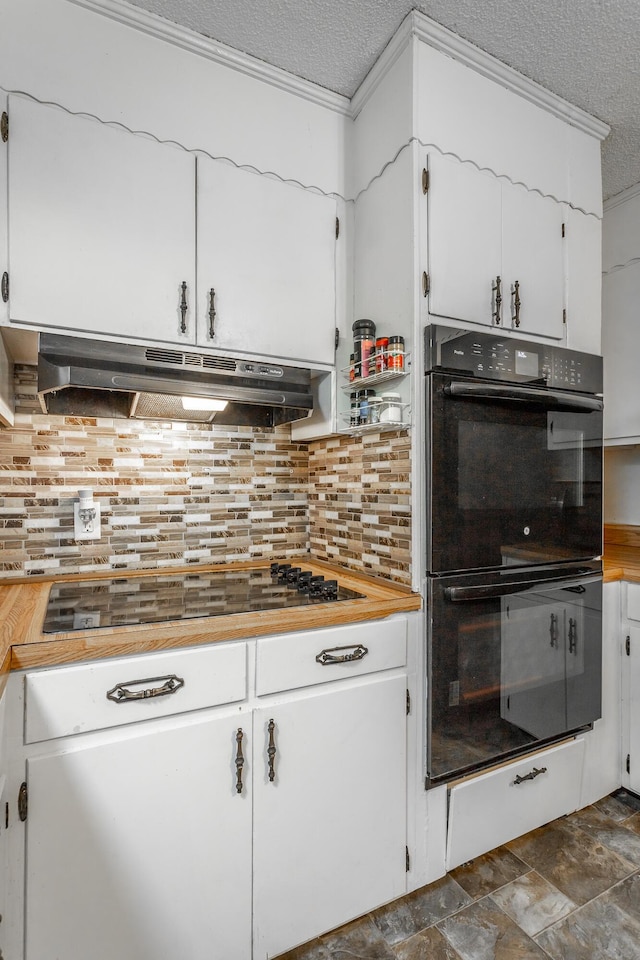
[(185, 492), (360, 504)]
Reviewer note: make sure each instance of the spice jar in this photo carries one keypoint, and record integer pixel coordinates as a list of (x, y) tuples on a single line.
[(375, 409), (352, 368), (391, 411), (364, 339), (364, 397), (382, 345), (396, 354), (354, 410)]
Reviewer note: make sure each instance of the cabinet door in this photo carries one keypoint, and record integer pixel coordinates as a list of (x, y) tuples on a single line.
[(267, 251), (330, 829), (632, 718), (4, 254), (464, 240), (101, 227), (139, 847), (532, 257), (620, 298)]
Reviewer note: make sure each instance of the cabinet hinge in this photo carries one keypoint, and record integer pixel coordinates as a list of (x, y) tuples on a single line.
[(564, 230), (425, 180), (627, 646), (628, 763), (23, 801), (564, 315), (4, 126), (426, 283), (337, 227), (408, 703), (407, 859)]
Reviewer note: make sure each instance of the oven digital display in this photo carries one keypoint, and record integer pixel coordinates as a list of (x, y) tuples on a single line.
[(527, 363)]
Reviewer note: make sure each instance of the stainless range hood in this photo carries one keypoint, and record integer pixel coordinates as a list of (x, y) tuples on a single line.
[(82, 377)]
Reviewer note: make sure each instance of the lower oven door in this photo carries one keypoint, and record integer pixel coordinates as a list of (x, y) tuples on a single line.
[(514, 661)]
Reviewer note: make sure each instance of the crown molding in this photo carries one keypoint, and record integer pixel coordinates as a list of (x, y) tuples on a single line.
[(417, 25), (622, 197), (189, 40)]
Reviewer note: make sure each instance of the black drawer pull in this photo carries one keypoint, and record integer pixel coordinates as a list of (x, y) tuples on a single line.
[(530, 776), (120, 693), (326, 657)]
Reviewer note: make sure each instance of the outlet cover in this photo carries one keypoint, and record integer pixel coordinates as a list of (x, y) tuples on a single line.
[(86, 521)]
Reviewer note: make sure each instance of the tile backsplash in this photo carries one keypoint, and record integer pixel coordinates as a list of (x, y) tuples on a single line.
[(360, 503), (172, 493)]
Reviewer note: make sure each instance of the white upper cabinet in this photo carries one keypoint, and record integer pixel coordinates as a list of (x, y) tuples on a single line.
[(532, 262), (103, 239), (495, 251), (464, 240), (101, 227), (266, 257)]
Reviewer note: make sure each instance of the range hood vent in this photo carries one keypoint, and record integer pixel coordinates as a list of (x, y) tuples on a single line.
[(82, 377)]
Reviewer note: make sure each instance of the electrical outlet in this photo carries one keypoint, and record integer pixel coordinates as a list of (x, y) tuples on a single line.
[(86, 520), (85, 621)]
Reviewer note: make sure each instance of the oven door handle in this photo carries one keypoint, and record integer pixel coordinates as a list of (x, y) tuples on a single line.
[(491, 591), (549, 399)]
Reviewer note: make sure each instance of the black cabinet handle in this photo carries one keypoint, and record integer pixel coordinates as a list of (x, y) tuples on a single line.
[(183, 307), (516, 303), (497, 291), (212, 313), (271, 751), (239, 761)]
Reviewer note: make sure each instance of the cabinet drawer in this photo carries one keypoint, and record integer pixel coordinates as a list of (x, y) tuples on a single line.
[(494, 808), (633, 601), (68, 700), (317, 656)]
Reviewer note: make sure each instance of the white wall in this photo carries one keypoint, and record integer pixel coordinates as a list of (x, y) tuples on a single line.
[(620, 253), (622, 485)]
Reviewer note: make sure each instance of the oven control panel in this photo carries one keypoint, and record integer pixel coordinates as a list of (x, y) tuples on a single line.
[(491, 356)]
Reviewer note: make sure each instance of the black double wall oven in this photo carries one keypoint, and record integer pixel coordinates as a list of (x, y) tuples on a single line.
[(514, 539)]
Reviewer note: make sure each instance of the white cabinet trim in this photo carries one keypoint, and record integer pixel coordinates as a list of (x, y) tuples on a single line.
[(417, 25)]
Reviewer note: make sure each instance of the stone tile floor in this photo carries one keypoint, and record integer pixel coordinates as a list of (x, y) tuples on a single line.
[(569, 891)]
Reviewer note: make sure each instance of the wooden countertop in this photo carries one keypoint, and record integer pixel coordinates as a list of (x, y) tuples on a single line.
[(621, 560), (23, 604)]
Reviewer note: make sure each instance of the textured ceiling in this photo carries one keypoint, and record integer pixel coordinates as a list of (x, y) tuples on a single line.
[(587, 51)]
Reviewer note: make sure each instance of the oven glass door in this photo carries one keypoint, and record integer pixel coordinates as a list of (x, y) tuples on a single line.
[(514, 660), (514, 475)]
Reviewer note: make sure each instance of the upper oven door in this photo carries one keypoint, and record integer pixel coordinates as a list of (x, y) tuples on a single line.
[(514, 475)]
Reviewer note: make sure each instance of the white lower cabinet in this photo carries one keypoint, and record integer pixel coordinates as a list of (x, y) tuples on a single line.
[(330, 828), (631, 687), (139, 846), (183, 804), (496, 807)]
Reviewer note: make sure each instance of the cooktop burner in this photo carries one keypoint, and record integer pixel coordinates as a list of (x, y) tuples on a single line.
[(85, 604)]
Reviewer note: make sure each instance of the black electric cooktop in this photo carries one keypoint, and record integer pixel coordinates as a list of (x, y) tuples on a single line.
[(86, 604)]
